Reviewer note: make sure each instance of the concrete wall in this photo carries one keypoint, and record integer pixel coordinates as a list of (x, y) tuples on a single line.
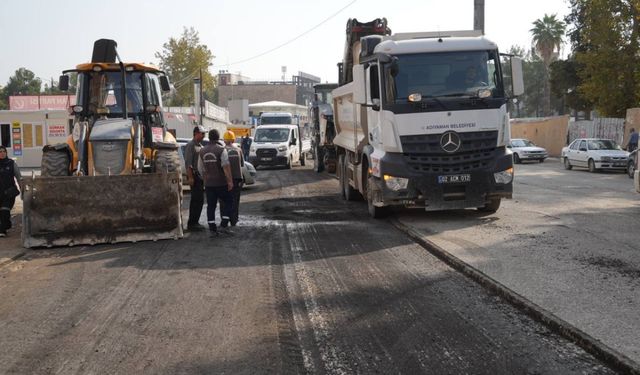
[(632, 120), (550, 132)]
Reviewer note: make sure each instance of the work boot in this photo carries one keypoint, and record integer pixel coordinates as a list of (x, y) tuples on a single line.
[(196, 228), (5, 221), (225, 231)]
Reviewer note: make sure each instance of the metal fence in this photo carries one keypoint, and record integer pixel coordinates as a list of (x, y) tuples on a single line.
[(607, 128)]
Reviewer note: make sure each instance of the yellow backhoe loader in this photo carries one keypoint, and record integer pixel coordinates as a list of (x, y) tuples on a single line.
[(118, 176)]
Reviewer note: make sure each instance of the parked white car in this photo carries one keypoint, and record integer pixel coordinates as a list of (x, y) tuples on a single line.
[(524, 149), (595, 154)]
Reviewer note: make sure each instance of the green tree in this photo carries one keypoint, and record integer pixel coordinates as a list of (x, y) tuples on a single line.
[(564, 81), (605, 39), (51, 88), (182, 59), (547, 40), (23, 82)]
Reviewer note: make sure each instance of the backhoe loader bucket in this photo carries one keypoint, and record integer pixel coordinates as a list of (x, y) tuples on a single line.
[(60, 211)]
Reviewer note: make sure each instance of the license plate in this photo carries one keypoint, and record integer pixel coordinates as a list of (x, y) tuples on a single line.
[(619, 164), (454, 178), (265, 159)]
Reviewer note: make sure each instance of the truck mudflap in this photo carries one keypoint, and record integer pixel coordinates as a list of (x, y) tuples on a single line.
[(87, 210)]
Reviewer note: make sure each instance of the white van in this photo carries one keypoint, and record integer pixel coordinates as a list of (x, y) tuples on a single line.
[(278, 145)]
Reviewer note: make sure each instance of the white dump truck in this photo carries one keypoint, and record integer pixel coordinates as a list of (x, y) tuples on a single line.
[(422, 121)]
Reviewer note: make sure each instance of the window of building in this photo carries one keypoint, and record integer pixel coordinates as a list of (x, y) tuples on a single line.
[(32, 135), (5, 135)]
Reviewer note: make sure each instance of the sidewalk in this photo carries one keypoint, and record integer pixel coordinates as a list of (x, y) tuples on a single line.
[(576, 259)]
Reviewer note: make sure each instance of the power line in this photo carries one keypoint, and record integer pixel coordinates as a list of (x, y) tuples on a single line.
[(289, 41)]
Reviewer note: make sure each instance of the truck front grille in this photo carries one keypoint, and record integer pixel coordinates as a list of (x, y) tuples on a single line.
[(266, 152), (424, 154)]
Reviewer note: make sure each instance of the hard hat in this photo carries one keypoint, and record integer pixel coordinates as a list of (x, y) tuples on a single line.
[(229, 136)]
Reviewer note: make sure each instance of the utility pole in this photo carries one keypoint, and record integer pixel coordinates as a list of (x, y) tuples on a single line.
[(201, 98), (478, 15)]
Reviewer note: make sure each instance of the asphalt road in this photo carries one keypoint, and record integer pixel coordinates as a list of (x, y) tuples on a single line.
[(308, 284)]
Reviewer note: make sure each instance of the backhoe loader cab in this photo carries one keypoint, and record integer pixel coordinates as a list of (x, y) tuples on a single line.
[(118, 176)]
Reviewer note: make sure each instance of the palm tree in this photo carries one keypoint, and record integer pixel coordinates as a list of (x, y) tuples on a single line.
[(547, 39)]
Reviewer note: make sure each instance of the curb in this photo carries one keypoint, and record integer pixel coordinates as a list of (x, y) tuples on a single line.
[(591, 345)]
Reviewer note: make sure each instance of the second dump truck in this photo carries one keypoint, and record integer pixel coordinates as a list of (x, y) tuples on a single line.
[(421, 121)]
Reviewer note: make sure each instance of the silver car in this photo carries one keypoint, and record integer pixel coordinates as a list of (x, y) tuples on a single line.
[(524, 149)]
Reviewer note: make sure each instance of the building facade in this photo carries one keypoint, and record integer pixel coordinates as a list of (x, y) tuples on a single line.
[(298, 91)]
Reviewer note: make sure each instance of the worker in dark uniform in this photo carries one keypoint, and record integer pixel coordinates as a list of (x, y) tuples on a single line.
[(236, 160), (9, 175), (194, 178), (213, 165)]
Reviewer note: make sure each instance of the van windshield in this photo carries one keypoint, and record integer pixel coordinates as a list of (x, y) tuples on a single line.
[(271, 135), (276, 120)]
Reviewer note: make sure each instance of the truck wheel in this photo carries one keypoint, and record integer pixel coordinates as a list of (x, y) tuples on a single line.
[(567, 164), (318, 164), (350, 193), (491, 207), (303, 159), (55, 162), (340, 170), (374, 211), (288, 165)]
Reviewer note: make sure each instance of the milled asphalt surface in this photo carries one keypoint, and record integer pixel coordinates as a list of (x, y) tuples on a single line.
[(568, 242)]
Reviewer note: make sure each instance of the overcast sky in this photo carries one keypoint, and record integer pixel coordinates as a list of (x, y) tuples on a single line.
[(48, 36)]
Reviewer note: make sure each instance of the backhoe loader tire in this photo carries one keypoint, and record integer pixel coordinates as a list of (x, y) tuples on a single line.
[(55, 163)]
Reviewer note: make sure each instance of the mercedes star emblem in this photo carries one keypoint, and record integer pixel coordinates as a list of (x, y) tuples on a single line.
[(450, 142)]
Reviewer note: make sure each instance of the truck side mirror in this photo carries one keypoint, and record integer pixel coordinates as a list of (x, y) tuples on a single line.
[(359, 86), (164, 84), (63, 84), (517, 79)]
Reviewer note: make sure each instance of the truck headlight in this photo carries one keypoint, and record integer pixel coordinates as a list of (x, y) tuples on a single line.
[(282, 148), (396, 183), (504, 177)]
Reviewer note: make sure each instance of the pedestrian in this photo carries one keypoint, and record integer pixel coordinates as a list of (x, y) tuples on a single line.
[(237, 162), (10, 178), (213, 165), (633, 140), (194, 178), (246, 146)]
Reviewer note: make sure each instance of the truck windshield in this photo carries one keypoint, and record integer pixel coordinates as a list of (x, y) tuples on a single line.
[(271, 135), (460, 73), (103, 93), (276, 120)]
